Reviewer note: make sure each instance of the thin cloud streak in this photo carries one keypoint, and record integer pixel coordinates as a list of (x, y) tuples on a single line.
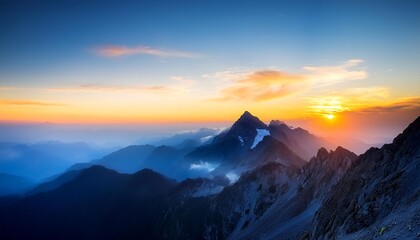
[(5, 88), (112, 51), (179, 84), (408, 104), (329, 75), (23, 102), (361, 100), (109, 88)]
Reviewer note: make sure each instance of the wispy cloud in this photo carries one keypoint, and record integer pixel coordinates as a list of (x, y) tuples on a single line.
[(328, 75), (24, 102), (4, 88), (360, 100), (264, 85), (112, 88), (119, 51), (176, 85), (407, 104)]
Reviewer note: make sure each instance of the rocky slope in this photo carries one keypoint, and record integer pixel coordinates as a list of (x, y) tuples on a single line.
[(290, 218), (378, 195)]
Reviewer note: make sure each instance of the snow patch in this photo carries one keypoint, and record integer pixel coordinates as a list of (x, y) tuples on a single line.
[(203, 166), (261, 133)]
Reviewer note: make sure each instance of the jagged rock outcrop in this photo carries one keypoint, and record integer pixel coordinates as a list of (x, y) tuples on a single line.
[(291, 218), (383, 184), (325, 169)]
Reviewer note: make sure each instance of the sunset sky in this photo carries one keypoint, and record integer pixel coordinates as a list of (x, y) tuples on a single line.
[(334, 67)]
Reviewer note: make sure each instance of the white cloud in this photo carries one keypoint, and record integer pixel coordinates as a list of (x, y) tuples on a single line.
[(328, 75), (203, 166)]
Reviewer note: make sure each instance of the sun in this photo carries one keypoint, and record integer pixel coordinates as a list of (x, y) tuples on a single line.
[(329, 116)]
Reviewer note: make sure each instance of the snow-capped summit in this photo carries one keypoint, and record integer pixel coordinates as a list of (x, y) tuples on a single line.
[(242, 146), (246, 128), (236, 140)]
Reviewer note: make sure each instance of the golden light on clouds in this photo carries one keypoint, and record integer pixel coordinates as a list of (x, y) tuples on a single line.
[(263, 85), (353, 99), (330, 116), (326, 106), (314, 93), (23, 102)]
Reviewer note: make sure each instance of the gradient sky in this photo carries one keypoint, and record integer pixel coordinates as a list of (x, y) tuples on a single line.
[(335, 67)]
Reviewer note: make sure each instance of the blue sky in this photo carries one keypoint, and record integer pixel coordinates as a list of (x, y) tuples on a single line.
[(44, 36), (208, 61)]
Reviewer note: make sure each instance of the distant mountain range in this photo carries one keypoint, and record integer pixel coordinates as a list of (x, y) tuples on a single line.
[(42, 160), (247, 144), (189, 139), (12, 184), (202, 153), (277, 193)]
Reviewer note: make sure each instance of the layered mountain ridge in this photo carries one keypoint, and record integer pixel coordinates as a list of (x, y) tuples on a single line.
[(278, 195), (247, 144)]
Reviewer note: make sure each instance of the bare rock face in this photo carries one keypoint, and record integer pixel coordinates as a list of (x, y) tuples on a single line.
[(198, 187), (274, 200), (380, 184), (269, 150), (325, 169), (241, 204)]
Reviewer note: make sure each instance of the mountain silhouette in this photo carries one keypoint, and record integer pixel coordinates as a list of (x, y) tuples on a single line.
[(335, 195)]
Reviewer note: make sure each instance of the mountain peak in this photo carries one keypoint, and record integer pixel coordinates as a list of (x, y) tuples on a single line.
[(276, 123), (322, 153), (247, 115), (340, 149), (248, 120), (246, 127), (341, 158)]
